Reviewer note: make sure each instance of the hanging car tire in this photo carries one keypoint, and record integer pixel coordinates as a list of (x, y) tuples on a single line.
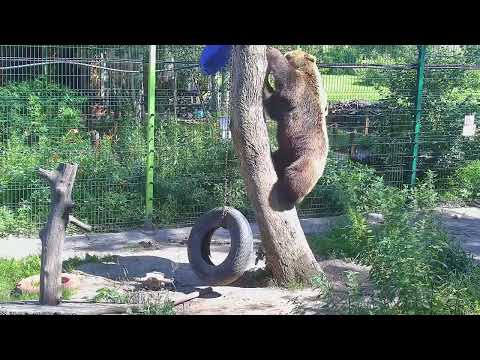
[(241, 246)]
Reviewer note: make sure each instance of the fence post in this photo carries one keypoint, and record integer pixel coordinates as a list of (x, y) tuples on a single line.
[(150, 135), (175, 100), (418, 110)]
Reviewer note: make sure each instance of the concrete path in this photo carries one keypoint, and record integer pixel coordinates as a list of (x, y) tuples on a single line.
[(19, 247), (464, 225)]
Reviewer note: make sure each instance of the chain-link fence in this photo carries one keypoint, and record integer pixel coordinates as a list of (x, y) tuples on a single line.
[(87, 104)]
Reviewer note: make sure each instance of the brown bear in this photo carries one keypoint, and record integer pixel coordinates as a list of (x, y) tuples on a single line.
[(299, 106)]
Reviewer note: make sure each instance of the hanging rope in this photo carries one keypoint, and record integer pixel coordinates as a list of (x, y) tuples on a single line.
[(225, 184)]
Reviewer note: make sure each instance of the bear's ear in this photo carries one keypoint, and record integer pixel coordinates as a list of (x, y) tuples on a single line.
[(311, 58)]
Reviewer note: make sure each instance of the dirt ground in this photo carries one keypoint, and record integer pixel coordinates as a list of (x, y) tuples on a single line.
[(237, 299), (140, 253)]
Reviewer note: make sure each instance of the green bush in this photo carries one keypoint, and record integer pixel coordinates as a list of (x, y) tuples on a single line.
[(16, 221), (415, 267), (12, 271), (449, 94), (41, 125), (465, 183), (191, 169)]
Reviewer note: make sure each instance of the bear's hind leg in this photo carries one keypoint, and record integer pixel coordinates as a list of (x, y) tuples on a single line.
[(300, 178)]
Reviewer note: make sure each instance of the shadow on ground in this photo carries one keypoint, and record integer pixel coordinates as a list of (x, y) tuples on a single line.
[(466, 230), (132, 266)]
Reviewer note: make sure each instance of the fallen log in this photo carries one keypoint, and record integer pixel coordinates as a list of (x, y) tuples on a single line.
[(65, 308)]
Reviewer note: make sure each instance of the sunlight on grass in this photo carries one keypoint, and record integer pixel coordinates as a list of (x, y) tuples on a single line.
[(346, 87)]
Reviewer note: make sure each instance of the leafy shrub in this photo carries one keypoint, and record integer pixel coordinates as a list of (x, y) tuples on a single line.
[(41, 125), (12, 271), (415, 267), (15, 221), (465, 183), (449, 95)]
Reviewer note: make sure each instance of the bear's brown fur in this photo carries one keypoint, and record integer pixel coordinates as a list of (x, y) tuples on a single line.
[(299, 106)]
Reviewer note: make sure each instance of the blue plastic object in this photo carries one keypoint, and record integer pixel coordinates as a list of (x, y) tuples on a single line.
[(214, 58)]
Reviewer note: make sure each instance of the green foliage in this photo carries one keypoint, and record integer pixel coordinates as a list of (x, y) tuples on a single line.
[(73, 263), (341, 87), (415, 267), (322, 284), (110, 296), (164, 308), (449, 94), (349, 185), (355, 302), (12, 271), (38, 107), (190, 171), (465, 183), (15, 221), (147, 307), (41, 126)]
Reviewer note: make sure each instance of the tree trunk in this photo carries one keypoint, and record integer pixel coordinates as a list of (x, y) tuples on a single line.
[(287, 253), (53, 234)]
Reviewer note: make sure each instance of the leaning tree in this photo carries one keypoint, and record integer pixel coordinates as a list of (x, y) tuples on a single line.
[(287, 253)]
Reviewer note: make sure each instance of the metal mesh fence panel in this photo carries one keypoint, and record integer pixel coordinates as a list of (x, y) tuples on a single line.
[(86, 104), (72, 104)]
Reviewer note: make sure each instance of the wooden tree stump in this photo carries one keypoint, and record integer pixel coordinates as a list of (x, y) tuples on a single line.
[(53, 234)]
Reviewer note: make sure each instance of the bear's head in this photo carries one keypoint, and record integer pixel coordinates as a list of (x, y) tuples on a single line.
[(300, 60), (307, 65)]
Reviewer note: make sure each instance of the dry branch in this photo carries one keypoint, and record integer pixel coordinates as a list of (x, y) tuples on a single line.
[(193, 295), (79, 223)]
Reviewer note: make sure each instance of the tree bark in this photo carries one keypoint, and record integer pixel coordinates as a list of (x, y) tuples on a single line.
[(287, 253), (53, 234)]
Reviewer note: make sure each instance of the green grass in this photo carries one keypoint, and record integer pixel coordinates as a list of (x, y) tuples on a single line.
[(347, 87), (148, 307), (110, 296), (164, 308), (415, 266), (12, 271), (72, 264)]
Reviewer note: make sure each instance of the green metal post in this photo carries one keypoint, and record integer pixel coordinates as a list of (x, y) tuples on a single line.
[(418, 110), (150, 134)]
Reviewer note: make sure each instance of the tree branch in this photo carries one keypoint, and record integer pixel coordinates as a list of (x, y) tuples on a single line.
[(50, 176), (79, 223)]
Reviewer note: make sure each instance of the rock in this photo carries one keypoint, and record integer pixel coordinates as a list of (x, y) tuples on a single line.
[(146, 244), (155, 281), (31, 285), (375, 218)]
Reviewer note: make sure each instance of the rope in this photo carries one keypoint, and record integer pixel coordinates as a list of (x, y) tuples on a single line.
[(225, 184)]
